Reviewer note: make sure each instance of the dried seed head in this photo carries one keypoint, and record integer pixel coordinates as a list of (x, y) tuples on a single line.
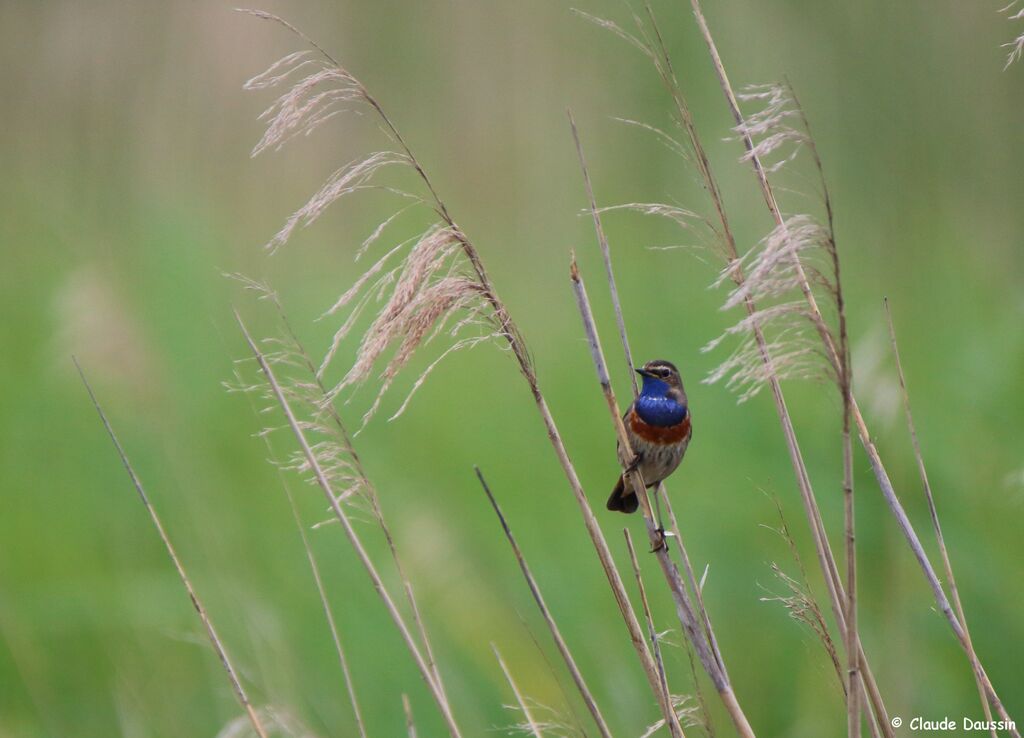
[(771, 128), (1016, 46)]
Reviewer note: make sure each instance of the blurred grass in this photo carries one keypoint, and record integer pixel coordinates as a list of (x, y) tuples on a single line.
[(127, 189)]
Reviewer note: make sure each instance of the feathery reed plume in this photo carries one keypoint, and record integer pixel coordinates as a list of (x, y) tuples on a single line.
[(651, 43), (800, 602), (211, 632), (314, 567), (684, 710), (530, 725), (834, 356), (434, 289), (684, 606), (313, 463), (556, 633), (335, 444), (932, 511), (503, 326), (1016, 46)]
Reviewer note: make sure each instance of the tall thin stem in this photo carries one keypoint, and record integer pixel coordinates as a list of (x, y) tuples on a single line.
[(652, 632), (523, 707), (197, 603), (339, 512), (606, 253), (684, 606), (556, 633), (877, 467), (932, 511)]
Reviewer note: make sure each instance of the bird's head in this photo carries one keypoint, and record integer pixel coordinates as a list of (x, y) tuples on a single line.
[(660, 378)]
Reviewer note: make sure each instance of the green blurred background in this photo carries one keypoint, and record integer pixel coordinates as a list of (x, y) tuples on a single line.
[(127, 189)]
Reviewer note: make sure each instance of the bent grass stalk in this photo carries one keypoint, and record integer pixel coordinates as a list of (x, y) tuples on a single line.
[(200, 609), (652, 632), (684, 606), (318, 580), (325, 485), (654, 49), (315, 385), (556, 633), (877, 466), (508, 330), (927, 487), (661, 490), (530, 723)]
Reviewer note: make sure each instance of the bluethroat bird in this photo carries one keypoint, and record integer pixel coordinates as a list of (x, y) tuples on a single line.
[(659, 430)]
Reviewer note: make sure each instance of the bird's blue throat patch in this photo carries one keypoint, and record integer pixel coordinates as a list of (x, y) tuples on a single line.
[(660, 411), (655, 407)]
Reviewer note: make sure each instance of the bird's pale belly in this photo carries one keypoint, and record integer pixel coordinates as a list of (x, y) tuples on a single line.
[(659, 457)]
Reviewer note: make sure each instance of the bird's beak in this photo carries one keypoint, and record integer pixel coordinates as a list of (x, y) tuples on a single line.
[(643, 372)]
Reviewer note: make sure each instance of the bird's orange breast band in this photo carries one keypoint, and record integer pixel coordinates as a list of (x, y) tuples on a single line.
[(659, 434)]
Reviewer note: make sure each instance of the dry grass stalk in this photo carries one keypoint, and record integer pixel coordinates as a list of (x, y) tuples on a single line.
[(684, 606), (529, 723), (324, 481), (833, 354), (684, 710), (760, 347), (556, 633), (697, 589), (801, 603), (683, 217), (336, 450), (932, 511), (652, 632), (410, 726), (317, 579), (211, 632), (606, 254), (504, 327)]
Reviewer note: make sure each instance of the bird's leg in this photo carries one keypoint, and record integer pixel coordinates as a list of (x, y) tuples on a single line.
[(634, 463), (660, 529)]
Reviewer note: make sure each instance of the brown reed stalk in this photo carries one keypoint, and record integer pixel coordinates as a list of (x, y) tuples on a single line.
[(606, 254), (801, 603), (656, 52), (344, 438), (549, 620), (654, 49), (877, 466), (197, 604), (674, 531), (627, 352), (317, 579), (350, 687), (853, 697), (932, 511), (500, 318), (410, 726), (684, 606), (652, 632), (529, 723), (333, 499)]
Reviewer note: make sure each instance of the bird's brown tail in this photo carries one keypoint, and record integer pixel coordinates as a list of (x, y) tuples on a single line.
[(622, 499)]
